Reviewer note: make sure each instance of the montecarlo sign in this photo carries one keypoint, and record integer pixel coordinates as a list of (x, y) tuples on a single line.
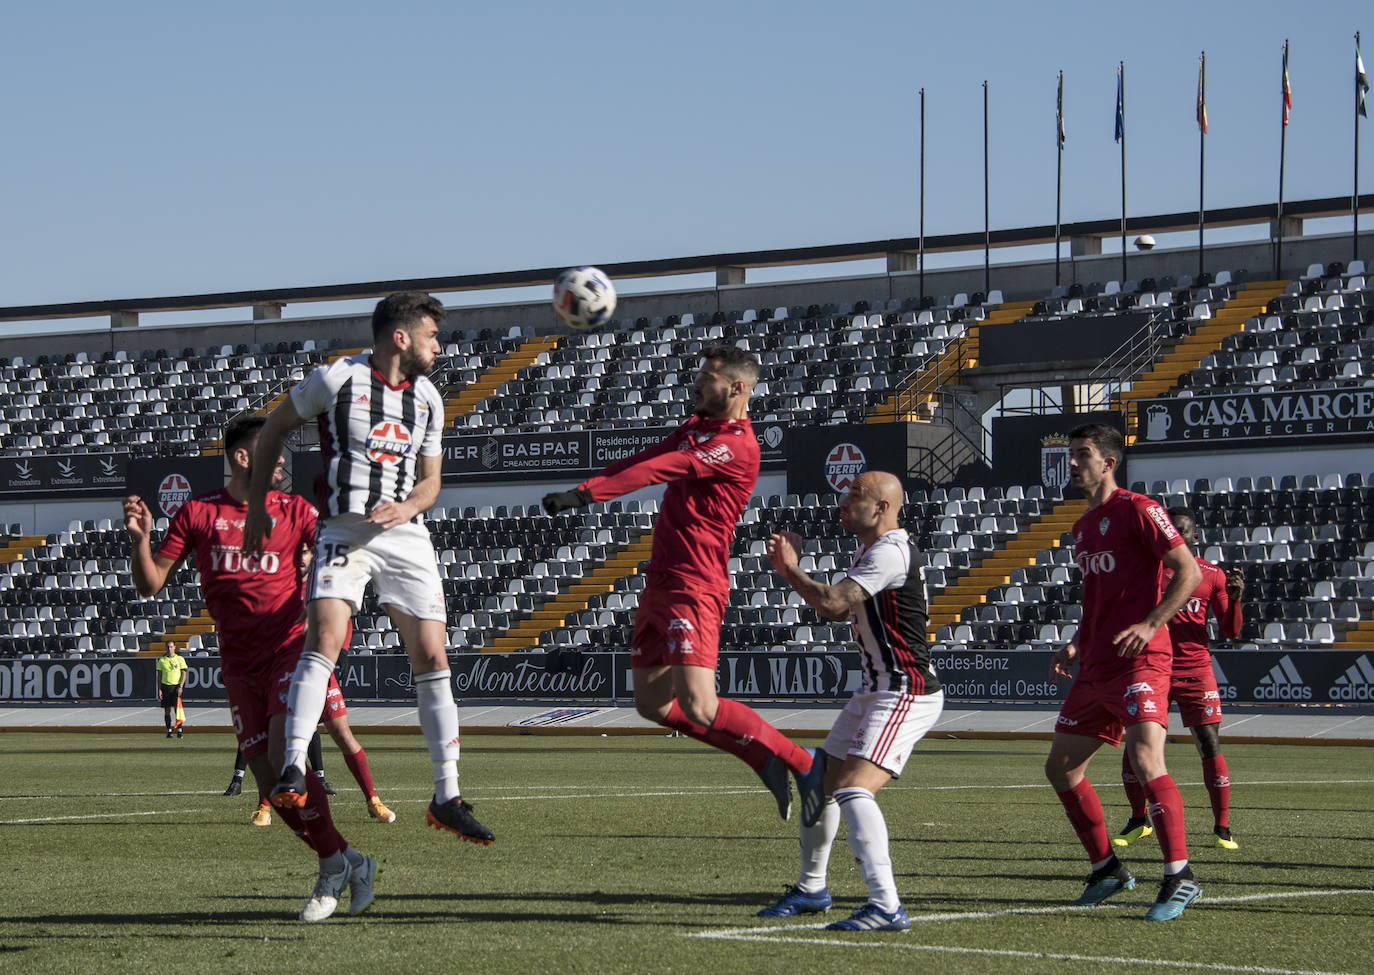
[(1280, 677), (1244, 419)]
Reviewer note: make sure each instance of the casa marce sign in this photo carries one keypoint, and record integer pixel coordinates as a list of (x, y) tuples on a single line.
[(1310, 676), (1312, 416)]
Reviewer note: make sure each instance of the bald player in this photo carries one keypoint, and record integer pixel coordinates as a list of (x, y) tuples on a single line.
[(899, 700)]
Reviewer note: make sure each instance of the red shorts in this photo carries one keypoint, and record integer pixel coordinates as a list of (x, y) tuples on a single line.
[(258, 693), (1106, 708), (676, 627), (1197, 698)]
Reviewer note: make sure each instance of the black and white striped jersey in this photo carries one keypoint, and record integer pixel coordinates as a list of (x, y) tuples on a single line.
[(371, 433), (891, 623)]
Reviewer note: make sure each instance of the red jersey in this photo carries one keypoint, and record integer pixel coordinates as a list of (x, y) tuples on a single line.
[(711, 467), (256, 600), (1188, 628), (1118, 546)]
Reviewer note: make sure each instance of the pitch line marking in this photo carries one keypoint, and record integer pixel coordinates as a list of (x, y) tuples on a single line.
[(1008, 953), (1058, 909), (660, 791), (108, 815)]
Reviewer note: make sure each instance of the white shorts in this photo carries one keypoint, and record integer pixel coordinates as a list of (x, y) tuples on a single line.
[(883, 727), (399, 562)]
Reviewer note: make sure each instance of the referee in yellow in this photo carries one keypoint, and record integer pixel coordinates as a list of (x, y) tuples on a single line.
[(171, 676)]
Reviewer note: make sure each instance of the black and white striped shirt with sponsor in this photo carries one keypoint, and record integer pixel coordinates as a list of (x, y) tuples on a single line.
[(371, 433), (891, 623)]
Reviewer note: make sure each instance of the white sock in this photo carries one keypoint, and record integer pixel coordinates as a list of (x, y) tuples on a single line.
[(815, 848), (304, 705), (868, 841), (439, 722), (1174, 866)]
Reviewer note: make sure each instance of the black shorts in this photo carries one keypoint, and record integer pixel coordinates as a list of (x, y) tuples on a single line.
[(170, 693)]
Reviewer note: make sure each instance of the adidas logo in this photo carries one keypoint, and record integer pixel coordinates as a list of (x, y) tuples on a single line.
[(1356, 684), (1283, 683), (1225, 689)]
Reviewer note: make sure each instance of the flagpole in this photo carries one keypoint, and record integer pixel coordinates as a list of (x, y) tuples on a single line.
[(987, 236), (921, 241), (1058, 172), (1355, 187), (1283, 143), (1201, 157), (1121, 115)]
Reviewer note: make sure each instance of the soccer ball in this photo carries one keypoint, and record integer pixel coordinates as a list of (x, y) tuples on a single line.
[(583, 298)]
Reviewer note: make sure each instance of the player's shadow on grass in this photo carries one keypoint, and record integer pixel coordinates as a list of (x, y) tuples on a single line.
[(193, 922)]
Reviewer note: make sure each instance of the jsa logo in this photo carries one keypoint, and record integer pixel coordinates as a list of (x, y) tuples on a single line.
[(1097, 563)]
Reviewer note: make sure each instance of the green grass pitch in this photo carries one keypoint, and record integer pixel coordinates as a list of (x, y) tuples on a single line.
[(651, 854)]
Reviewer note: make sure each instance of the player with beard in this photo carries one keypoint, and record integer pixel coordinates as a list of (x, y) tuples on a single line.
[(1123, 545), (380, 422), (256, 601), (1193, 687), (710, 464)]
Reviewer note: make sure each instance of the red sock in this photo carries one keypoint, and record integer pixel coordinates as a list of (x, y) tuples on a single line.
[(262, 800), (1085, 815), (1166, 815), (740, 731), (1218, 781), (1135, 792), (292, 818), (357, 764), (324, 839)]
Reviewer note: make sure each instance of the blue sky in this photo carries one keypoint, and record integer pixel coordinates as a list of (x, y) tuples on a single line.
[(172, 148)]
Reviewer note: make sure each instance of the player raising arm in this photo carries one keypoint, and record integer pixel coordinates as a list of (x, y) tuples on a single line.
[(710, 464), (256, 601), (381, 421), (899, 701)]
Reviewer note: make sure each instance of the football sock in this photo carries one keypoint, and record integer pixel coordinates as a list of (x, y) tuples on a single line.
[(1218, 781), (324, 838), (439, 722), (304, 704), (314, 754), (292, 818), (739, 730), (1135, 792), (1166, 813), (238, 775), (815, 847), (1085, 814), (357, 764), (240, 763), (868, 841)]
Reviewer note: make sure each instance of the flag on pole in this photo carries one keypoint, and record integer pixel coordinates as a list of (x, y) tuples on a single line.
[(1361, 82), (1287, 88), (1121, 107), (1201, 95), (1059, 113)]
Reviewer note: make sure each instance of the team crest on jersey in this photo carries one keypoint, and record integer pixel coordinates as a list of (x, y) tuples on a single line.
[(388, 443), (1103, 525)]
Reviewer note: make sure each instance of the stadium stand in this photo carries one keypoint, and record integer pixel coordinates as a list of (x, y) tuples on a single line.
[(996, 564)]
